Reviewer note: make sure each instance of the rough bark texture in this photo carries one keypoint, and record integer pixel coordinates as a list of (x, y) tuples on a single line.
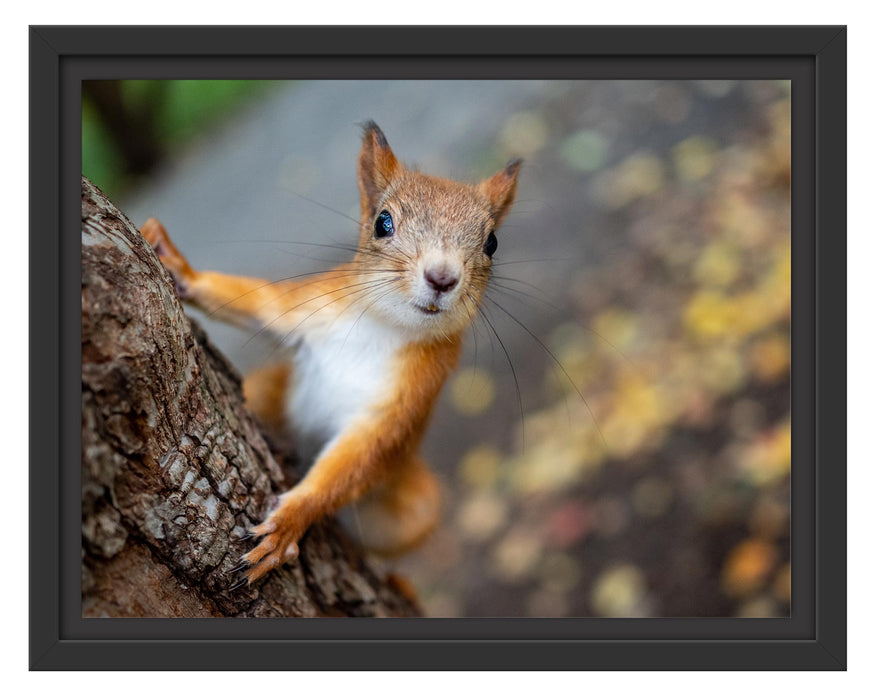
[(174, 468)]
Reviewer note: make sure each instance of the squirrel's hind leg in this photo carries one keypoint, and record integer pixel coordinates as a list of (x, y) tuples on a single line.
[(398, 514), (265, 390)]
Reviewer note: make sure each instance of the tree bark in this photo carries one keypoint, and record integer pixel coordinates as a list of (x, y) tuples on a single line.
[(175, 469)]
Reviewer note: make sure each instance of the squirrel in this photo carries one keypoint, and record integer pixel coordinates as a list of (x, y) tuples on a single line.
[(373, 341)]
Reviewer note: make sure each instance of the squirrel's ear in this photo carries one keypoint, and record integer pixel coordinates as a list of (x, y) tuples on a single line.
[(501, 189), (377, 167)]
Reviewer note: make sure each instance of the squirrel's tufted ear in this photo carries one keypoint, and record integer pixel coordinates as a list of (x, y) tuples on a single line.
[(377, 167), (501, 189)]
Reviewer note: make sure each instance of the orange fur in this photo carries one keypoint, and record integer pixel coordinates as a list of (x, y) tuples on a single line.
[(265, 389), (401, 511), (376, 455), (370, 452)]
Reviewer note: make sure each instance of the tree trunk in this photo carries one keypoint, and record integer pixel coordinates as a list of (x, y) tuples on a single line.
[(174, 468)]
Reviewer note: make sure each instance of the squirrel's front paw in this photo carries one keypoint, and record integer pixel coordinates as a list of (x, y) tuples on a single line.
[(281, 531), (176, 264)]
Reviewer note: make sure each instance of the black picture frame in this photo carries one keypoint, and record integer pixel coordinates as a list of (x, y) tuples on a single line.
[(814, 58)]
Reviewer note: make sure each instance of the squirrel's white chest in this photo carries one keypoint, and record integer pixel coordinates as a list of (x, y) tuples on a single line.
[(340, 373)]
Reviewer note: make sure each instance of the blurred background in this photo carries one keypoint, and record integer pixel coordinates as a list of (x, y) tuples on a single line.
[(633, 456)]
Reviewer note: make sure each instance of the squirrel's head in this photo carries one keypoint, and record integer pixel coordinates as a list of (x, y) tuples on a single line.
[(430, 239)]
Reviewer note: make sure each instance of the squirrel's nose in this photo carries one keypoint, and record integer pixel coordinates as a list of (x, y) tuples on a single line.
[(441, 279)]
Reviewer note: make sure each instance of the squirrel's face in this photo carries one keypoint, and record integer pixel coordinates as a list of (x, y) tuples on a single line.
[(428, 241)]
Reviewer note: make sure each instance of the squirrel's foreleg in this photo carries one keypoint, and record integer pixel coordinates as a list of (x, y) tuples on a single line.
[(259, 304), (342, 472)]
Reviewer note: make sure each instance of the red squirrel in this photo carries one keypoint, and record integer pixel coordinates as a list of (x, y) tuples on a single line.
[(373, 342)]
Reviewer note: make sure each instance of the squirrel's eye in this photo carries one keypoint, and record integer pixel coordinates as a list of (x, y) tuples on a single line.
[(384, 225), (491, 244)]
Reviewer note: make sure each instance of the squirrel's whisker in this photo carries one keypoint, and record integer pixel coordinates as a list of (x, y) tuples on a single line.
[(282, 280), (306, 301), (362, 287), (513, 373), (556, 361)]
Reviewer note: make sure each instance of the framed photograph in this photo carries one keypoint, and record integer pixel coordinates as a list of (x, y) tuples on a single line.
[(436, 353)]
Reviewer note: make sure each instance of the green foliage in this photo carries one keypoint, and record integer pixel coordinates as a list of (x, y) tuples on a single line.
[(190, 105), (179, 110), (102, 163)]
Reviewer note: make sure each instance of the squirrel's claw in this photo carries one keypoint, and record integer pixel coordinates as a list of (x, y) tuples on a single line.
[(238, 584), (280, 533), (241, 567)]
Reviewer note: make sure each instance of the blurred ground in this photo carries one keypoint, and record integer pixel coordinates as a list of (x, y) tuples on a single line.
[(649, 253)]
